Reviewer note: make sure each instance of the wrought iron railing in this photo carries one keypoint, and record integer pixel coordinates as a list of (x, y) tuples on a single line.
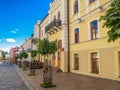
[(55, 22)]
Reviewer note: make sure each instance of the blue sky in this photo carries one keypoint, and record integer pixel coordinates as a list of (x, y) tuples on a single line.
[(17, 19)]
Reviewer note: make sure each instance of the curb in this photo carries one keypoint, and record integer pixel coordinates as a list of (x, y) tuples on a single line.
[(26, 82)]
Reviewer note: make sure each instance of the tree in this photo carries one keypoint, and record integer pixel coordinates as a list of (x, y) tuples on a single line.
[(53, 47), (20, 57), (37, 42), (33, 54), (112, 21), (47, 48), (24, 55), (44, 47)]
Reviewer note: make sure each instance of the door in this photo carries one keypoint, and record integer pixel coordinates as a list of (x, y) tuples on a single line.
[(94, 63), (76, 62), (59, 52)]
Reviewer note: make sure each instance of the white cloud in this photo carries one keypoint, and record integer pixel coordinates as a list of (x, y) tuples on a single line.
[(11, 40), (0, 40), (16, 29), (13, 31)]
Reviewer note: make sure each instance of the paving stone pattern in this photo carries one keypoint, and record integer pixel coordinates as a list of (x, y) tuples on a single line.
[(9, 78), (70, 81)]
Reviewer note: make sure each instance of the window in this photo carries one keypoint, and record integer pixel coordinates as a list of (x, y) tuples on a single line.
[(59, 15), (95, 62), (94, 30), (76, 62), (76, 34), (76, 6), (91, 1)]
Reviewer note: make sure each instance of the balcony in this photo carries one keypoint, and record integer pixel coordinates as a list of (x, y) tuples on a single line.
[(53, 26)]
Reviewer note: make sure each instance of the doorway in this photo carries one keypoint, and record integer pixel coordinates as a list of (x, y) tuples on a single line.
[(95, 63), (59, 52)]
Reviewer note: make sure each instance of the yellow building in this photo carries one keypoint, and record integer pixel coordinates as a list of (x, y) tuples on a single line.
[(90, 53), (0, 55), (55, 27), (82, 42), (36, 36), (36, 33), (27, 45)]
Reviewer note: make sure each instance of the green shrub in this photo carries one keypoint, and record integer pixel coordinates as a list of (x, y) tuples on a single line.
[(47, 85), (31, 74)]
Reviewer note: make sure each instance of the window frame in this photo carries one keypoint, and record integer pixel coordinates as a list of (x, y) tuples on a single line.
[(76, 35), (91, 31), (93, 62), (76, 7), (76, 61)]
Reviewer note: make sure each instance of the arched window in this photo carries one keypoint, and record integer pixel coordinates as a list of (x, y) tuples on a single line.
[(94, 29), (76, 6)]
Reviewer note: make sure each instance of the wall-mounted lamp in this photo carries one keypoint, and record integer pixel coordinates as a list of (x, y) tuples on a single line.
[(101, 9), (80, 20)]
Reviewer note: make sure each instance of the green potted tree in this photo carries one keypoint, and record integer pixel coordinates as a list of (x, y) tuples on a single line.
[(25, 56), (33, 54), (47, 48), (20, 58)]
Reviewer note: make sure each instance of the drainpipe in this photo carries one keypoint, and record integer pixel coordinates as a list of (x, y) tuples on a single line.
[(68, 36), (39, 39)]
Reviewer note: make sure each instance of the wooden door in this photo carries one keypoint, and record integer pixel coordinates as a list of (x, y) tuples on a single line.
[(59, 52)]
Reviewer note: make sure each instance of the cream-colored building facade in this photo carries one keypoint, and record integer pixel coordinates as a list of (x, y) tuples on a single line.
[(36, 33), (55, 27), (90, 53), (82, 42), (26, 47)]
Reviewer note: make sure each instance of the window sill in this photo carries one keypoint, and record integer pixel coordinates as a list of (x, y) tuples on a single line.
[(94, 74), (76, 69), (75, 14), (77, 43)]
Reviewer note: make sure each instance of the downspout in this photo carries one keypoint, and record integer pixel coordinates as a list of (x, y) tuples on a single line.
[(39, 39), (68, 36)]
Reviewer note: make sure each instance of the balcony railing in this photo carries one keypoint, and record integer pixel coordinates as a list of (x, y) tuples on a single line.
[(54, 23)]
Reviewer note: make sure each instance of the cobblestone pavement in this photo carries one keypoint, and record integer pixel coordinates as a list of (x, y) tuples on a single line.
[(9, 78), (70, 81)]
